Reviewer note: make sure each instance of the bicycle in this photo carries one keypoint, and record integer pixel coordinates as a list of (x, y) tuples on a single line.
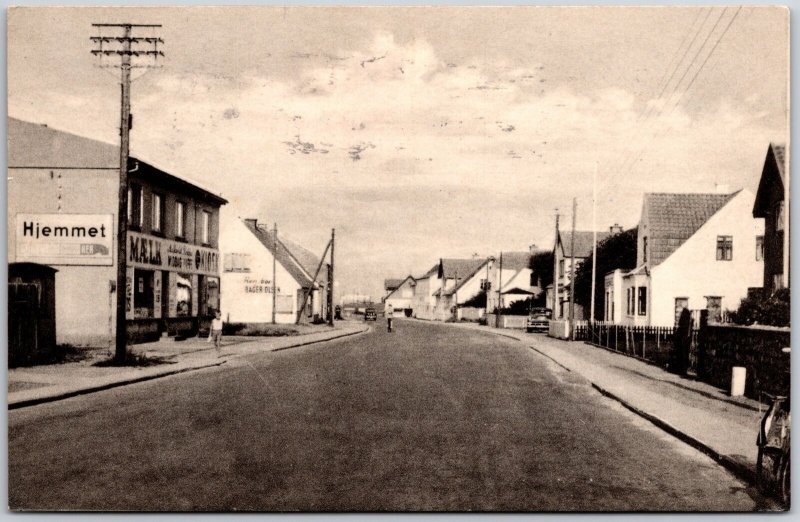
[(773, 466)]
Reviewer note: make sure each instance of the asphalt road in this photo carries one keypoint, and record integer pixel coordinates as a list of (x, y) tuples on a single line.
[(429, 417)]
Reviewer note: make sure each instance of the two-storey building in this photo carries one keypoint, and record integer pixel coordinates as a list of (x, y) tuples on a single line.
[(772, 204)]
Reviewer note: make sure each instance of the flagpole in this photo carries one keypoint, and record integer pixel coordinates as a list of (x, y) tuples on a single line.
[(594, 239)]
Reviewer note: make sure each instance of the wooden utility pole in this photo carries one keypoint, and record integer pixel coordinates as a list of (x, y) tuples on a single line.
[(330, 279), (313, 280), (556, 249), (499, 290), (274, 271), (572, 273), (121, 46)]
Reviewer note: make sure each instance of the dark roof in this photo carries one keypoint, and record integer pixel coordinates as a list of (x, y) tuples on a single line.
[(515, 260), (402, 281), (773, 179), (34, 145), (674, 218), (584, 240), (463, 268), (392, 284), (298, 261), (517, 290)]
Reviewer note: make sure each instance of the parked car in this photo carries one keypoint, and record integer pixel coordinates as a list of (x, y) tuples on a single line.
[(539, 320), (370, 314)]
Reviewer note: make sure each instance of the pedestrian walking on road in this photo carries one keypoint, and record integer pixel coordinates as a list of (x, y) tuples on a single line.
[(389, 316), (216, 331)]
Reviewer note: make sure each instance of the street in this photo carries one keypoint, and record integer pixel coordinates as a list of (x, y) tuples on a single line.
[(430, 417)]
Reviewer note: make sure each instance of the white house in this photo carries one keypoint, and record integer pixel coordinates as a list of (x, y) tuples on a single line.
[(515, 279), (401, 295), (696, 251), (423, 303), (249, 249)]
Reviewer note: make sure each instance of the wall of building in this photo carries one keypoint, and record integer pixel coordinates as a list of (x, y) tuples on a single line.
[(693, 271), (614, 297), (402, 298), (84, 314), (247, 296)]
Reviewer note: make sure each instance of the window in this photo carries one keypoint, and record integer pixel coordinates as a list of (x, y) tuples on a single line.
[(777, 281), (143, 294), (724, 248), (714, 307), (180, 219), (759, 248), (560, 268), (779, 216), (158, 213), (209, 295), (135, 205), (642, 300), (206, 227), (183, 294), (681, 303), (237, 262), (630, 301), (644, 249)]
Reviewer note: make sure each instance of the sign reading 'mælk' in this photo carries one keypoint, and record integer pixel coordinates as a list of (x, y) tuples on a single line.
[(65, 239), (164, 254)]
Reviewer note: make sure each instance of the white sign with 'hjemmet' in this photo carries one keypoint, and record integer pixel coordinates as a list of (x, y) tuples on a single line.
[(65, 239)]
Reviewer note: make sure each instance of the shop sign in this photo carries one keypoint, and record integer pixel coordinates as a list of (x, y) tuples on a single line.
[(65, 239), (158, 253), (258, 286)]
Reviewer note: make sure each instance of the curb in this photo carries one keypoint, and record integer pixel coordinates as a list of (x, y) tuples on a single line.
[(107, 386), (84, 391), (740, 470)]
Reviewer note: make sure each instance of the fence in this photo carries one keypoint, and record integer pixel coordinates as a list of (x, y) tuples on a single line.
[(650, 343)]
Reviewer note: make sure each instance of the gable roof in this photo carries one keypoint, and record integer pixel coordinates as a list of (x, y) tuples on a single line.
[(674, 218), (298, 261), (450, 268), (516, 290), (461, 281), (392, 283), (773, 176), (584, 241), (515, 260), (396, 288)]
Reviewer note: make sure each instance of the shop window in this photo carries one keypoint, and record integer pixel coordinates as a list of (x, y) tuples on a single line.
[(759, 248), (135, 206), (724, 248), (180, 219), (642, 300), (143, 294), (209, 295), (206, 227), (183, 295), (158, 213)]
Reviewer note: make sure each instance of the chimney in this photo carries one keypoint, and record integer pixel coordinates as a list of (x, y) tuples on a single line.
[(533, 248), (722, 188), (251, 221), (615, 229)]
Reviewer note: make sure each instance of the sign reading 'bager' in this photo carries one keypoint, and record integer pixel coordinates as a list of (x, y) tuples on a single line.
[(157, 253), (65, 239)]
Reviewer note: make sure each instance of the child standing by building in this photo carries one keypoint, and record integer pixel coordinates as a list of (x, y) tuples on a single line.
[(216, 330), (389, 316)]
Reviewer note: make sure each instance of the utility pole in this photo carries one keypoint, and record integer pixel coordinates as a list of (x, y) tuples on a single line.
[(572, 273), (330, 280), (594, 239), (556, 249), (122, 47), (499, 289), (274, 271)]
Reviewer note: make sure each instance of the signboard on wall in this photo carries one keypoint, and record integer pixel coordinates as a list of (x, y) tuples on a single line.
[(152, 252), (65, 239)]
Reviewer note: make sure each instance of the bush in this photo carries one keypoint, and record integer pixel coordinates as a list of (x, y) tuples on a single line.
[(757, 308), (259, 330)]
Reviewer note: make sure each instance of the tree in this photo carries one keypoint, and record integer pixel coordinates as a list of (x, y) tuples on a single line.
[(617, 251), (476, 301), (541, 265), (757, 308)]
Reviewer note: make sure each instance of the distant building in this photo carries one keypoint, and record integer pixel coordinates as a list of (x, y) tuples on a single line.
[(63, 200), (423, 303), (772, 203), (249, 249), (562, 254), (517, 279), (390, 285), (401, 296), (694, 251)]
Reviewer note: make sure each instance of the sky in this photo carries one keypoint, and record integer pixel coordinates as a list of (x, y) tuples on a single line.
[(421, 133)]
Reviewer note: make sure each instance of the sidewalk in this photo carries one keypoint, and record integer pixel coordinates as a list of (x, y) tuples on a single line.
[(37, 384), (699, 414)]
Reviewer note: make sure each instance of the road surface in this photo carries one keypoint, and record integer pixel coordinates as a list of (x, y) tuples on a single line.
[(430, 417)]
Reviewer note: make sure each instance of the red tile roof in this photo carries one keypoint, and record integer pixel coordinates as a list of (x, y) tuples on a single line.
[(674, 218)]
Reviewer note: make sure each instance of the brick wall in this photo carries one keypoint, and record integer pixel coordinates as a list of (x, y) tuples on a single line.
[(757, 348)]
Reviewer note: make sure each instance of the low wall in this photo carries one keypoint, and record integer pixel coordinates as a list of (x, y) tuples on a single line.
[(756, 348), (470, 314), (559, 328), (507, 321)]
